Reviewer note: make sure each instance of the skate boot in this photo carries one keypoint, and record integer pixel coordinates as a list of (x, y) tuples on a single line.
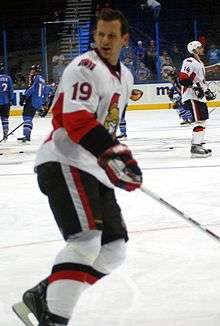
[(24, 140), (35, 298), (200, 151), (5, 137), (49, 319), (185, 123), (33, 305), (122, 136), (34, 302)]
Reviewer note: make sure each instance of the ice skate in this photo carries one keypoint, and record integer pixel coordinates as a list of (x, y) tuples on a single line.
[(122, 136), (199, 151), (24, 140), (33, 304), (185, 123)]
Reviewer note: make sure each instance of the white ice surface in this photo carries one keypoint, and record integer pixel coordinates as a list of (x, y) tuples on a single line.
[(172, 273)]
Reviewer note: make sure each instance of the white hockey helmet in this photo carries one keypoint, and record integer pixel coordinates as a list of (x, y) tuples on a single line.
[(192, 46)]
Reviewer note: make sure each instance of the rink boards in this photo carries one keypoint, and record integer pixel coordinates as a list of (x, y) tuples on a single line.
[(154, 97)]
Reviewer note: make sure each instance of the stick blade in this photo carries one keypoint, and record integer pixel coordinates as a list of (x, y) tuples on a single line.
[(24, 313)]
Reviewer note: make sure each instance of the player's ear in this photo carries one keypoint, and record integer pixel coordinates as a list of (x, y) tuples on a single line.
[(125, 39)]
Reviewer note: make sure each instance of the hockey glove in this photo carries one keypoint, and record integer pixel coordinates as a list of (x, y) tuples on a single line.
[(209, 95), (22, 99), (121, 168), (43, 112), (198, 91)]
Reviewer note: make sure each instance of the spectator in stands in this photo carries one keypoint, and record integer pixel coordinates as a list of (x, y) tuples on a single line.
[(213, 54), (153, 6), (142, 74), (165, 59), (140, 51), (177, 57), (128, 62), (127, 51), (58, 67), (150, 58)]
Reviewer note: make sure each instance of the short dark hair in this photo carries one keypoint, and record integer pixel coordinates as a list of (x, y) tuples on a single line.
[(109, 15)]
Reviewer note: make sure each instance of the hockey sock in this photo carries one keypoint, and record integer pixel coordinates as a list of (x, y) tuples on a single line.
[(70, 273), (28, 125), (5, 125), (198, 135)]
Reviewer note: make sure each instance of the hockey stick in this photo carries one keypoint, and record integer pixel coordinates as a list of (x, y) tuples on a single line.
[(214, 65), (180, 213), (11, 132)]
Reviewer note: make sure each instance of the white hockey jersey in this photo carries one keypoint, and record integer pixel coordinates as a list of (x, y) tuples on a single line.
[(89, 86), (194, 69)]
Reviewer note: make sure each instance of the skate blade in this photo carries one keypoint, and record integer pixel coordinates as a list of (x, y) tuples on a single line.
[(25, 315), (201, 156)]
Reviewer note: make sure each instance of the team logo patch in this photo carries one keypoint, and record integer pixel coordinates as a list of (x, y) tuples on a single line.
[(136, 94)]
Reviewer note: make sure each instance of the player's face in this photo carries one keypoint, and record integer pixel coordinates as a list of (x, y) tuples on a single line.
[(200, 50), (109, 40)]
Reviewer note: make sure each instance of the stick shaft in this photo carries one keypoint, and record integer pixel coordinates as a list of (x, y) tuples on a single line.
[(180, 213), (13, 131)]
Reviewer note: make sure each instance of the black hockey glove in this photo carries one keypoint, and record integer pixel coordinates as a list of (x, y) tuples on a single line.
[(121, 167), (43, 112), (22, 100), (209, 95), (198, 91)]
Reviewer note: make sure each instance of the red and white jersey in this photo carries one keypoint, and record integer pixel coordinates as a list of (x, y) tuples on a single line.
[(195, 70), (90, 93)]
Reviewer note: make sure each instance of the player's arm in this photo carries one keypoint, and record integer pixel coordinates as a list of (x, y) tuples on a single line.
[(79, 119), (187, 74)]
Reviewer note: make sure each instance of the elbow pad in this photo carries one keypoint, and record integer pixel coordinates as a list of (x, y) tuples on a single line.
[(185, 80)]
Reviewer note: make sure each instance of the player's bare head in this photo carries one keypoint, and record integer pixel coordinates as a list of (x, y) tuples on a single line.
[(195, 47), (111, 34), (109, 15)]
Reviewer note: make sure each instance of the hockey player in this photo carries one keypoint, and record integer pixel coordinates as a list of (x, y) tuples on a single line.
[(33, 100), (195, 93), (123, 127), (6, 99), (78, 166), (174, 94)]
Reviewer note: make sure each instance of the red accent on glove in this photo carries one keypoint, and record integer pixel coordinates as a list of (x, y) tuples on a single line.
[(121, 168)]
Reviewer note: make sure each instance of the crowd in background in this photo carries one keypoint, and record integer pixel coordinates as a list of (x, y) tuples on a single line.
[(139, 56), (141, 59)]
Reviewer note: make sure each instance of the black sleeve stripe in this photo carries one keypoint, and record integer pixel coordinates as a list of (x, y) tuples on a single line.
[(97, 140)]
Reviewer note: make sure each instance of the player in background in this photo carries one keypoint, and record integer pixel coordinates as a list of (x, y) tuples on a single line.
[(195, 93), (174, 94), (51, 87), (78, 166), (136, 94), (6, 99), (123, 127), (33, 100)]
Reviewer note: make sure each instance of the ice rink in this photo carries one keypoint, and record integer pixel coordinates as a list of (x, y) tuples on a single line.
[(172, 273)]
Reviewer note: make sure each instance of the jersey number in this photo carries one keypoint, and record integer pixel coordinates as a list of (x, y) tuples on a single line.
[(82, 91), (4, 87)]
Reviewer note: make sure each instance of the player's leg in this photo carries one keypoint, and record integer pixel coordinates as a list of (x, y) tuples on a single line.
[(74, 200), (5, 109), (114, 236), (199, 116), (28, 114), (123, 126)]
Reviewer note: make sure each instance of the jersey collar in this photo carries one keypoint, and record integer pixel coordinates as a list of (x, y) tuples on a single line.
[(114, 69)]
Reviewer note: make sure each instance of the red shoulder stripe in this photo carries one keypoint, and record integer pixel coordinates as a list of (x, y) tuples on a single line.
[(78, 124)]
